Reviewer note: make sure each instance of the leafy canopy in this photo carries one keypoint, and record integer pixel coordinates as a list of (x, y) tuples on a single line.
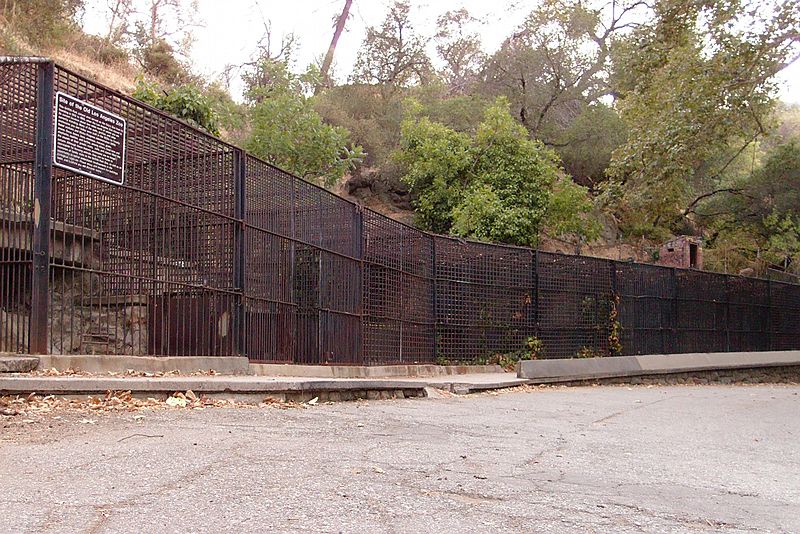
[(496, 185), (694, 80), (286, 130), (186, 102)]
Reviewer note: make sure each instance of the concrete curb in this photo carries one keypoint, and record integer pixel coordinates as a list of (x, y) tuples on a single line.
[(362, 371), (91, 385), (18, 364), (248, 385), (466, 388), (228, 365), (566, 370)]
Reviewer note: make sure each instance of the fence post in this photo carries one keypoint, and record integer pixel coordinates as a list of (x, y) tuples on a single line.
[(674, 311), (536, 293), (727, 312), (358, 238), (612, 265), (770, 326), (43, 178), (239, 174), (435, 276)]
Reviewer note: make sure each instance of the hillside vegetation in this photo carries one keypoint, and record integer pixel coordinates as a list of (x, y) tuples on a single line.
[(593, 130)]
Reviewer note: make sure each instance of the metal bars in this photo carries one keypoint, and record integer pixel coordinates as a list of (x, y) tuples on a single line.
[(209, 251)]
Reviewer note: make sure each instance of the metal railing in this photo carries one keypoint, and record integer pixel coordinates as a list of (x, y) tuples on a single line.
[(206, 250)]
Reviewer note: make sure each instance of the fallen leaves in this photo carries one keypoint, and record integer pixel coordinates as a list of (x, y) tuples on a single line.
[(128, 373), (27, 409)]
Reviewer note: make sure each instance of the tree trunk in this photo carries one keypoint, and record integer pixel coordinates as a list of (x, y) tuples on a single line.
[(326, 63), (153, 20)]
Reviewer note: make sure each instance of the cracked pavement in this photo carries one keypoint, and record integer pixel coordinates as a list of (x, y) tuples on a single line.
[(592, 459)]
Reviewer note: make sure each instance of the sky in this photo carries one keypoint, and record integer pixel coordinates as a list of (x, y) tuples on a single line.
[(231, 29)]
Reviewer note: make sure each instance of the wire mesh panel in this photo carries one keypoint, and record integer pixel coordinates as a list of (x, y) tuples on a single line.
[(784, 315), (207, 251), (748, 314), (270, 309), (485, 298), (327, 281), (303, 272), (17, 134), (145, 267), (399, 322), (646, 311), (574, 305), (701, 309)]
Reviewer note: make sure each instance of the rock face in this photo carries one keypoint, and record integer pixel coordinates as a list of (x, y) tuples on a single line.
[(84, 324), (14, 331)]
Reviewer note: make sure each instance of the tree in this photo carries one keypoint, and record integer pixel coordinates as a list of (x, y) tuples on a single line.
[(393, 55), (694, 81), (286, 130), (557, 61), (497, 185), (758, 220), (185, 102), (339, 23), (42, 22), (588, 142), (460, 50), (171, 21), (119, 17)]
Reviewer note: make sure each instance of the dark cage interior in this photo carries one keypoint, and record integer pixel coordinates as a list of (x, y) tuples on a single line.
[(205, 250)]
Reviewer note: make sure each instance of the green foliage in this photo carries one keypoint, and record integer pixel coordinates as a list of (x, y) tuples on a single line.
[(757, 222), (570, 212), (775, 188), (185, 102), (231, 115), (687, 100), (535, 348), (495, 185), (436, 161), (393, 55), (286, 130), (587, 143), (44, 23), (158, 60), (783, 244)]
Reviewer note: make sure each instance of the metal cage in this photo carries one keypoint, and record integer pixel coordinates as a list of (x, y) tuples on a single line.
[(206, 250)]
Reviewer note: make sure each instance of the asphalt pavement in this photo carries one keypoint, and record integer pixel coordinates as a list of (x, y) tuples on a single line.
[(591, 459)]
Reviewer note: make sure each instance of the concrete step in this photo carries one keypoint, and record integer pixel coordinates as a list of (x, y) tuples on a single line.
[(18, 364), (244, 388)]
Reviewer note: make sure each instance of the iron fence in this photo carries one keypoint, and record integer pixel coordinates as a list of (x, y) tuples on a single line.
[(206, 250)]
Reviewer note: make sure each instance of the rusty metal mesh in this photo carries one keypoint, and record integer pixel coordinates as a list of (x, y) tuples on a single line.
[(208, 251)]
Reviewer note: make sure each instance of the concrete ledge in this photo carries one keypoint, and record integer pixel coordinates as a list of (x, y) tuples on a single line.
[(18, 364), (653, 364), (76, 385), (360, 371), (149, 364)]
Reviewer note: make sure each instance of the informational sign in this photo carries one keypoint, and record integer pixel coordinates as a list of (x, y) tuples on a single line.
[(89, 140)]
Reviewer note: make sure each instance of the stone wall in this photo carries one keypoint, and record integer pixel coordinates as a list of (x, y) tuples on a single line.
[(84, 321)]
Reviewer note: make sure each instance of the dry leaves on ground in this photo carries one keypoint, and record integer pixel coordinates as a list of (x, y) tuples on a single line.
[(116, 401), (120, 374)]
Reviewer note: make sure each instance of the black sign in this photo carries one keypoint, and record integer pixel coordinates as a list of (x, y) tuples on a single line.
[(89, 140)]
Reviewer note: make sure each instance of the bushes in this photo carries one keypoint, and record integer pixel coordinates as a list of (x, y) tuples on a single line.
[(42, 23)]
